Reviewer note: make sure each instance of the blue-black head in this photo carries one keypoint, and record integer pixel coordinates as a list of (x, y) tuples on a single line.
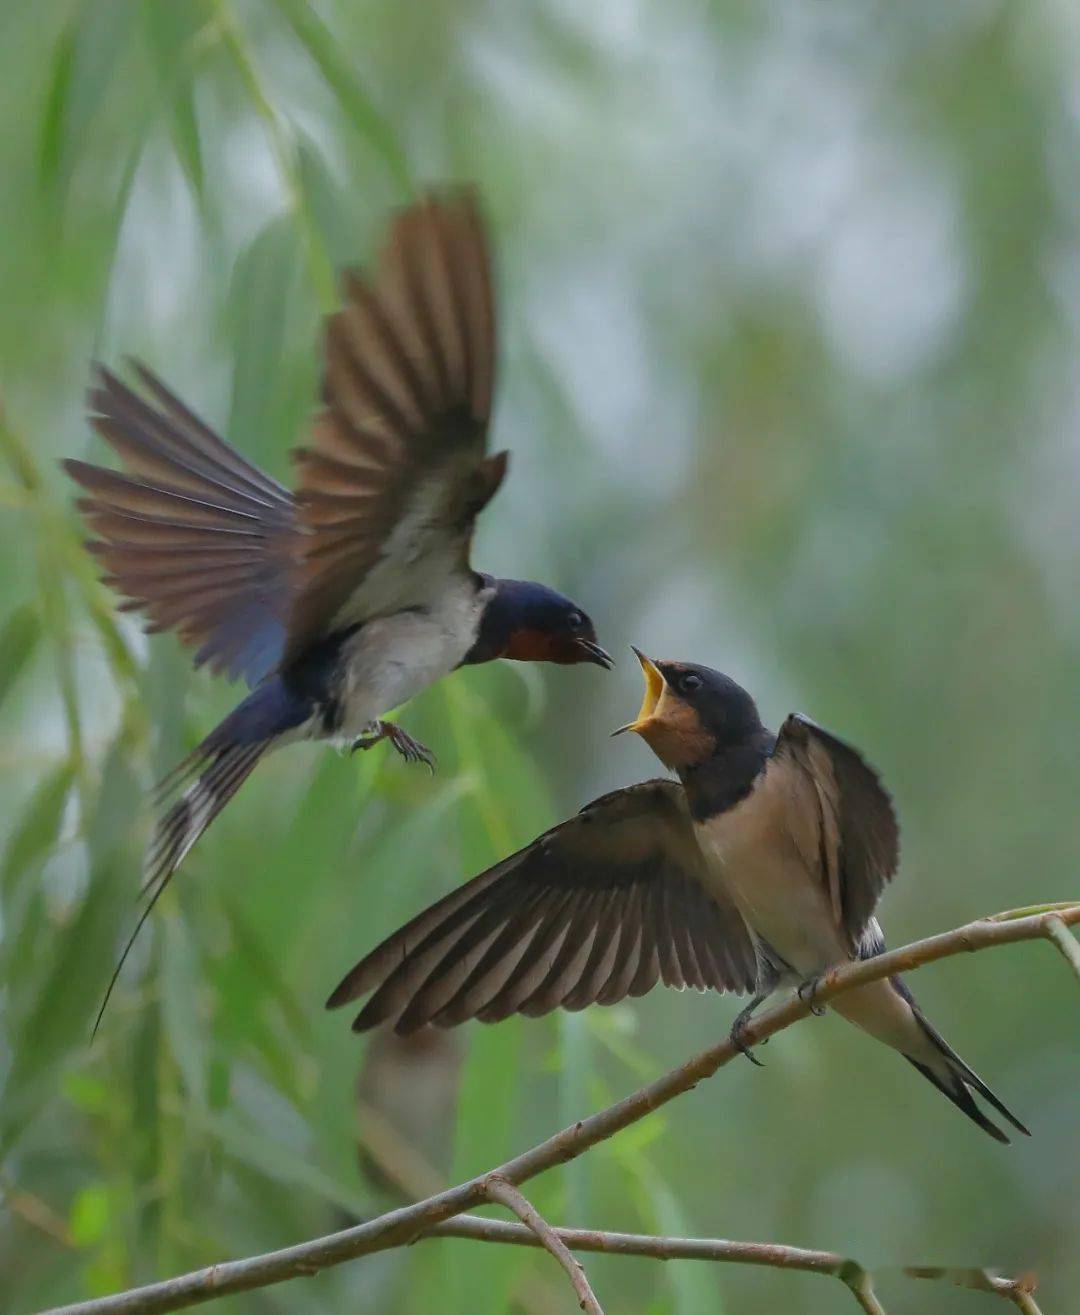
[(528, 622)]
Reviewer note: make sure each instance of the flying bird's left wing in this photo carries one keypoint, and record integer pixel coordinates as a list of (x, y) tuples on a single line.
[(192, 534), (601, 907), (853, 836), (397, 467)]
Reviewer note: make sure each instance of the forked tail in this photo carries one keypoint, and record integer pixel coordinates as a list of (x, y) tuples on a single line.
[(199, 788), (956, 1079)]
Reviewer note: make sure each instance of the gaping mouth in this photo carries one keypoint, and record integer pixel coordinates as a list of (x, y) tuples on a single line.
[(594, 653), (655, 684)]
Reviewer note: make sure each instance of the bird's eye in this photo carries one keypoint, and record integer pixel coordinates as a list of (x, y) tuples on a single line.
[(575, 620), (689, 683)]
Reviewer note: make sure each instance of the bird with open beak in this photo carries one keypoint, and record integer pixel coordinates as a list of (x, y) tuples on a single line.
[(337, 602), (760, 867)]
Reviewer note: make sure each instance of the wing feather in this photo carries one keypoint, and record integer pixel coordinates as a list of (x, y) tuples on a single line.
[(189, 533), (396, 468), (858, 834), (595, 910)]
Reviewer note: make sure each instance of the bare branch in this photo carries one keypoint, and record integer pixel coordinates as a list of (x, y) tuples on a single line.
[(1066, 942), (1020, 1291), (505, 1193), (862, 1288), (771, 1255), (401, 1226)]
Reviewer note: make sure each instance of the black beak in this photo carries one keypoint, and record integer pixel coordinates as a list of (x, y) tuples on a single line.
[(596, 654)]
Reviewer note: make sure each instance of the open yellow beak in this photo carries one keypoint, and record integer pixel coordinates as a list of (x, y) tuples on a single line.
[(655, 684)]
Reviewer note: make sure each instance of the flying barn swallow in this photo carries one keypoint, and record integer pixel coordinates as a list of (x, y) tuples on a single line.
[(760, 867), (343, 599)]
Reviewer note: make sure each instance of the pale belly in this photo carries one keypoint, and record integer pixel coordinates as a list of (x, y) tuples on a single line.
[(768, 881), (751, 855), (393, 658)]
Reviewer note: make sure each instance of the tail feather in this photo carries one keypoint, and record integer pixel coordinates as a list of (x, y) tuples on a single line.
[(227, 768), (951, 1084), (219, 767), (956, 1079)]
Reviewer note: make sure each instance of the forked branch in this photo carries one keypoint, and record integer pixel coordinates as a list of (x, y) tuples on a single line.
[(407, 1224), (505, 1193)]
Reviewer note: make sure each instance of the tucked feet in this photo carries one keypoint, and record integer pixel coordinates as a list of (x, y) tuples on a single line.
[(410, 749), (737, 1036), (808, 993)]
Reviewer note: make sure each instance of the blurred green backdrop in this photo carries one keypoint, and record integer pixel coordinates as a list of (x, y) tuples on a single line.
[(790, 303)]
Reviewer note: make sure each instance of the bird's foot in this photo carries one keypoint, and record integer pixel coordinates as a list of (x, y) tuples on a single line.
[(368, 741), (737, 1038), (807, 993), (410, 749)]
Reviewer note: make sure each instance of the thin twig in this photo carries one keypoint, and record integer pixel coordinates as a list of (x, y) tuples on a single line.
[(1058, 932), (860, 1283), (718, 1250), (505, 1193), (401, 1226), (36, 1212), (1020, 1291)]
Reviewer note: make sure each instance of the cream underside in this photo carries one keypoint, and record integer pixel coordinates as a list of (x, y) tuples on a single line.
[(757, 852)]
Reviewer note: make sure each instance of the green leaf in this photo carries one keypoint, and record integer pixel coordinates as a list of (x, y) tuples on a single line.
[(172, 31), (357, 106), (84, 62), (58, 991), (38, 827), (181, 985), (89, 1215), (60, 1017), (488, 1104), (264, 286), (18, 639), (274, 1158), (52, 144)]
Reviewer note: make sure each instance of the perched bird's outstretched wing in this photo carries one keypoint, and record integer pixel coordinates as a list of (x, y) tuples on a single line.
[(396, 469), (851, 834), (599, 908), (190, 533)]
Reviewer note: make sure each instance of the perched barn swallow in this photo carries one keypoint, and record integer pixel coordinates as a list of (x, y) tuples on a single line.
[(343, 599), (761, 867)]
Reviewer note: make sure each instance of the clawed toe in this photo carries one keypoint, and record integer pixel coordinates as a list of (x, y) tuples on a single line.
[(737, 1038), (411, 749), (807, 992)]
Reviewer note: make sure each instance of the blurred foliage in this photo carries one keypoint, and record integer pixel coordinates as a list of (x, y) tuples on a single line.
[(791, 313)]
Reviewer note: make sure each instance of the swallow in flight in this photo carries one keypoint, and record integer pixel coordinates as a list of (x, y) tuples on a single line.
[(340, 600), (759, 868)]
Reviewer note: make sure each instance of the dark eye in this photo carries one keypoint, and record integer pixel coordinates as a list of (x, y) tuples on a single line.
[(575, 620), (689, 683)]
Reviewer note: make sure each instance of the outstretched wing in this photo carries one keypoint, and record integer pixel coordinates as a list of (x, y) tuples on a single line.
[(599, 908), (856, 838), (396, 469), (191, 534)]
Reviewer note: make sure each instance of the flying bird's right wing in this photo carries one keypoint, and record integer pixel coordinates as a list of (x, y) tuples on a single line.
[(194, 536), (397, 469), (601, 907)]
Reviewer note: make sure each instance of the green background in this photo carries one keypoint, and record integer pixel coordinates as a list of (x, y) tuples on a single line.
[(790, 313)]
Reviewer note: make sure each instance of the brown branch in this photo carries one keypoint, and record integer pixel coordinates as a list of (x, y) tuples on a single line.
[(1017, 1290), (1066, 942), (721, 1251), (401, 1226), (505, 1193)]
